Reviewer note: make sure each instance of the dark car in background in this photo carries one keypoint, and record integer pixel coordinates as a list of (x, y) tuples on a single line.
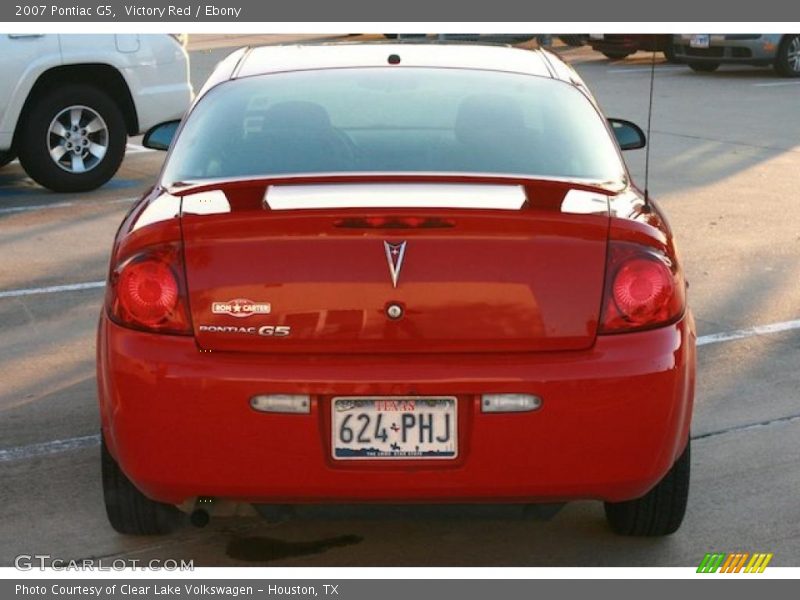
[(617, 46), (706, 52)]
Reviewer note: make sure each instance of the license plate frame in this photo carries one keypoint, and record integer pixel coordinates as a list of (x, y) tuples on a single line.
[(700, 41), (436, 405)]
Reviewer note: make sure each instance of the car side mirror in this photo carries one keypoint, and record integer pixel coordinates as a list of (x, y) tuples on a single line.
[(159, 137), (629, 135)]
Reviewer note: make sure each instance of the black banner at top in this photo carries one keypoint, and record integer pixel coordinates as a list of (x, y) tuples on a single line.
[(443, 11)]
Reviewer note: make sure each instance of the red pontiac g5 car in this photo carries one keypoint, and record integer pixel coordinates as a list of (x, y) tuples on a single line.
[(395, 273)]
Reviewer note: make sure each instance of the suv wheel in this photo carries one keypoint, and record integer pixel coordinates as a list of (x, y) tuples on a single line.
[(703, 67), (660, 511), (129, 511), (73, 139), (787, 62)]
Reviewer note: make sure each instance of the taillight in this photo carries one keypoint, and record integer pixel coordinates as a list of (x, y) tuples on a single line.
[(644, 289), (147, 291)]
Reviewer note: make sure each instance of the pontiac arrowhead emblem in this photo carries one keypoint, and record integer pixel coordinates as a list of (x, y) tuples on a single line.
[(394, 256)]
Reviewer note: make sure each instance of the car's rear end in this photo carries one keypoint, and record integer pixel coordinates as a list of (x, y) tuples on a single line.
[(716, 49), (501, 325), (620, 45), (362, 335)]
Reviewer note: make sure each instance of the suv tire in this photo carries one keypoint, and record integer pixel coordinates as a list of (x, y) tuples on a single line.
[(703, 67), (72, 139), (787, 61)]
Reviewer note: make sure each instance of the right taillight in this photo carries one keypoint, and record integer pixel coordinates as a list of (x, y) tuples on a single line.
[(147, 292), (644, 289)]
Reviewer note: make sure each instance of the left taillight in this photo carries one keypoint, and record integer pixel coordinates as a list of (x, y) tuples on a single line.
[(644, 289), (147, 291)]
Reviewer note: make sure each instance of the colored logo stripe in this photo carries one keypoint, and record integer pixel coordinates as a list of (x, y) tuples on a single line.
[(758, 563), (733, 563), (710, 563)]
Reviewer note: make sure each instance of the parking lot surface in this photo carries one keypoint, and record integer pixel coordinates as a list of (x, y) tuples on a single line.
[(725, 158)]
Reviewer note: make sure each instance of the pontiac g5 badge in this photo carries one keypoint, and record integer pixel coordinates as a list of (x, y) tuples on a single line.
[(394, 256), (240, 307)]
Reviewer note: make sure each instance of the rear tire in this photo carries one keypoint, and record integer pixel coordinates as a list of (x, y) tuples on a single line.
[(787, 61), (36, 138), (669, 54), (703, 67), (129, 511), (573, 41), (661, 510)]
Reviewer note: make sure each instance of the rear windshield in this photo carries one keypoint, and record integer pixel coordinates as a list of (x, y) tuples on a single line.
[(394, 120)]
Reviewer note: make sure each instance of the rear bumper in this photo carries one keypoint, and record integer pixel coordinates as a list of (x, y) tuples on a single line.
[(728, 49), (629, 43), (613, 420)]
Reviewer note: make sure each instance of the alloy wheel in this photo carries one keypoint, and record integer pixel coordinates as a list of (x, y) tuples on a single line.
[(77, 139), (793, 54)]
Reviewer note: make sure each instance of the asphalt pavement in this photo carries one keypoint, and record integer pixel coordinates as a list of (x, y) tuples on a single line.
[(725, 158)]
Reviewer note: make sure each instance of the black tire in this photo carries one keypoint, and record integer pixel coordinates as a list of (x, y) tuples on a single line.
[(129, 511), (669, 54), (33, 138), (703, 67), (661, 510), (787, 61), (397, 36), (6, 156), (573, 41), (616, 55)]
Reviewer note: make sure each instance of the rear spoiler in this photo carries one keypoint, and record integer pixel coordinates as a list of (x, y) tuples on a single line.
[(401, 191)]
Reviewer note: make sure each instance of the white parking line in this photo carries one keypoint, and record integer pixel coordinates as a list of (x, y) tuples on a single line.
[(703, 340), (52, 289), (776, 83), (739, 334), (45, 448), (57, 446), (136, 149), (30, 207), (15, 209)]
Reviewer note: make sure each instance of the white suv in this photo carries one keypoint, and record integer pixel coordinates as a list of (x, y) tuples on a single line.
[(69, 102)]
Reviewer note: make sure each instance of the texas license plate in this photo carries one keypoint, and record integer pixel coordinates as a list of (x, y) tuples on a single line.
[(700, 41), (394, 428)]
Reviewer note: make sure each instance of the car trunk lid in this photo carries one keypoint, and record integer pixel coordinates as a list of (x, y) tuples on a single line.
[(395, 267)]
